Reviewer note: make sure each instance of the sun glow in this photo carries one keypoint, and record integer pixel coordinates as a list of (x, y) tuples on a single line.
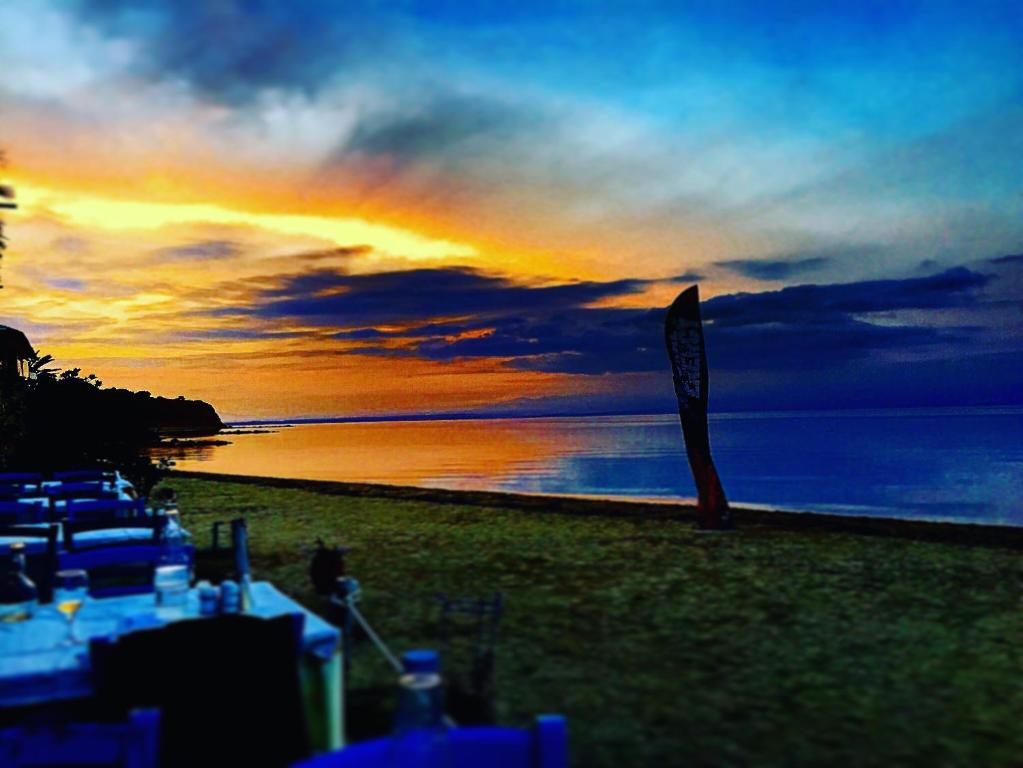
[(121, 215)]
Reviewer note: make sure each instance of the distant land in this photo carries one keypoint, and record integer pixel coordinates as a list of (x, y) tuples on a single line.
[(169, 417)]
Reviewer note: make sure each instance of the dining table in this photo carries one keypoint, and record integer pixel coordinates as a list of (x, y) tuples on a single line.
[(39, 665)]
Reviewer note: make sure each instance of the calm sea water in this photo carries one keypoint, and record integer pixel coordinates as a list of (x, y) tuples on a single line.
[(936, 464)]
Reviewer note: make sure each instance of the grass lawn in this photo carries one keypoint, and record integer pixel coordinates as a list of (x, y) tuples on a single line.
[(666, 647)]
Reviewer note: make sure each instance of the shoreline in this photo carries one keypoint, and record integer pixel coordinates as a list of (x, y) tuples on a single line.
[(968, 534)]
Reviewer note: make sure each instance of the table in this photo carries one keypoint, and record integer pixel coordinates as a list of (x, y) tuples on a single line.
[(34, 668)]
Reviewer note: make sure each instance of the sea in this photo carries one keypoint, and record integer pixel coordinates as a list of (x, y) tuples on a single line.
[(935, 464)]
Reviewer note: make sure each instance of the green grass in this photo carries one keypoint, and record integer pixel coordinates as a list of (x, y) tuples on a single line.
[(666, 647)]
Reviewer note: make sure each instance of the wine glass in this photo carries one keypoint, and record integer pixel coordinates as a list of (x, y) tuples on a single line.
[(71, 587)]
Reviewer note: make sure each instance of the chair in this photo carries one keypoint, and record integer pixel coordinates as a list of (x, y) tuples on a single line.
[(130, 744), (40, 553), (468, 634), (15, 491), (84, 475), (21, 478), (228, 688), (81, 510), (21, 512), (115, 569), (86, 534), (545, 745), (83, 490), (221, 561)]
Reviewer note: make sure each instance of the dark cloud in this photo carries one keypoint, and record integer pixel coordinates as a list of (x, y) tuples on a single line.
[(834, 341), (330, 297), (66, 284), (439, 149), (415, 331), (811, 304), (778, 269), (235, 334), (810, 341), (439, 129), (1016, 258), (205, 250), (327, 254), (688, 277), (581, 340), (231, 50)]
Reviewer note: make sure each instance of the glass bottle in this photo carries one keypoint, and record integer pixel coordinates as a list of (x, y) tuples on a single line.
[(19, 597), (421, 736), (174, 542), (173, 572)]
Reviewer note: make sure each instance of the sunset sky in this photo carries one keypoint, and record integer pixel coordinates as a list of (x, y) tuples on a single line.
[(322, 208)]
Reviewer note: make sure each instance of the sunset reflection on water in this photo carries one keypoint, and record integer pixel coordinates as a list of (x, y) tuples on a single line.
[(453, 454), (898, 463)]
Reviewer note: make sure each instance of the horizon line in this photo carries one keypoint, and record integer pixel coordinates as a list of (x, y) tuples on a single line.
[(994, 409)]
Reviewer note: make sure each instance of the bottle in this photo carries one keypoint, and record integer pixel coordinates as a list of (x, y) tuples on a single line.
[(19, 597), (174, 543), (240, 542), (173, 572), (421, 736)]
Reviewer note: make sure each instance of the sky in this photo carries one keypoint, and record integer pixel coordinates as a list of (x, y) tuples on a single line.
[(298, 209)]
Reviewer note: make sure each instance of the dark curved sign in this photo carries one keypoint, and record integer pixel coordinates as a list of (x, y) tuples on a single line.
[(683, 335)]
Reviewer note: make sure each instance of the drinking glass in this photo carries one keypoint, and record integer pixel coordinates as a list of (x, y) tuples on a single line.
[(70, 590), (170, 583)]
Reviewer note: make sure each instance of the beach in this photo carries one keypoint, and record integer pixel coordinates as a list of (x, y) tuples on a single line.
[(798, 640)]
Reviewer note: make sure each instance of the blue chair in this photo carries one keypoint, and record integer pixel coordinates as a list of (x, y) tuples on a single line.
[(23, 512), (84, 490), (84, 475), (20, 478), (15, 491), (228, 687), (131, 744), (118, 569), (81, 510), (545, 745), (86, 534)]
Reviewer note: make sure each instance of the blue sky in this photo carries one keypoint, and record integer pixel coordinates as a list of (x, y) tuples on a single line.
[(307, 165)]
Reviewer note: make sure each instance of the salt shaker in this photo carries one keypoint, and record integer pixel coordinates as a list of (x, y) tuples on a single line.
[(230, 597), (208, 597)]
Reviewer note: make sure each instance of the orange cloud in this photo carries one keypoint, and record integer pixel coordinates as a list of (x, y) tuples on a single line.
[(262, 386)]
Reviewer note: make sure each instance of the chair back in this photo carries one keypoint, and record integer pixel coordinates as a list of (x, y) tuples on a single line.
[(119, 569), (82, 490), (101, 510), (15, 491), (83, 475), (20, 478), (129, 744), (545, 745), (228, 687), (89, 534), (21, 512)]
